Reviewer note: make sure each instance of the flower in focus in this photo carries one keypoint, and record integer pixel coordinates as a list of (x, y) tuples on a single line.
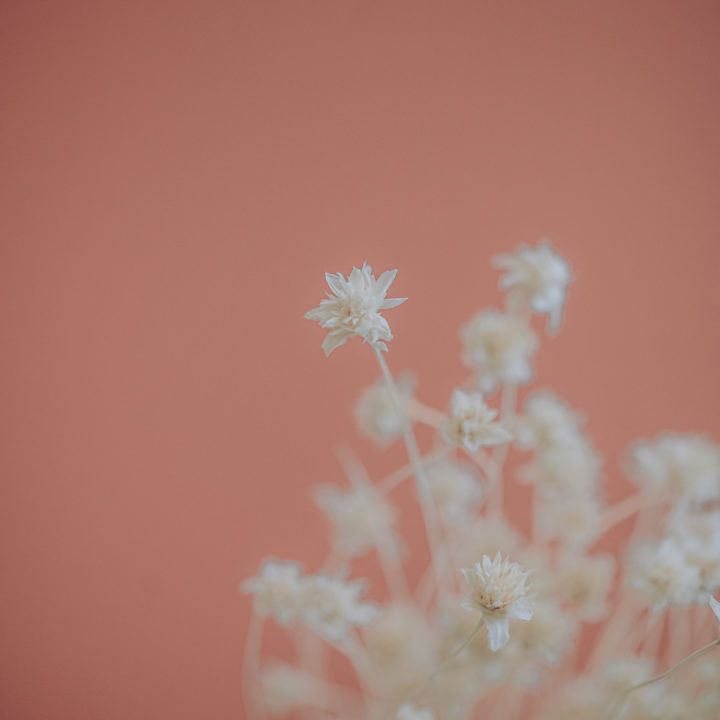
[(540, 276), (362, 517), (277, 590), (376, 413), (684, 465), (498, 589), (355, 307), (331, 606), (472, 423)]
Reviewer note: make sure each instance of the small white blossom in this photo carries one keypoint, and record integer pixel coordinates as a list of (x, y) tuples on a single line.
[(456, 490), (575, 519), (277, 590), (362, 518), (355, 307), (547, 422), (500, 346), (698, 533), (498, 589), (331, 606), (376, 413), (683, 465), (664, 573), (409, 712), (540, 276), (548, 635), (472, 423)]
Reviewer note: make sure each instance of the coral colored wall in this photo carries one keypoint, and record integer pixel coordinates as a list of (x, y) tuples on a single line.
[(175, 179)]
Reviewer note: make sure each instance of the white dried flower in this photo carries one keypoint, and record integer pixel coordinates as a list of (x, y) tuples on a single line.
[(376, 412), (664, 573), (410, 712), (547, 422), (355, 307), (698, 533), (472, 423), (548, 635), (575, 519), (683, 465), (362, 518), (584, 582), (498, 589), (500, 346), (277, 590), (331, 606), (286, 688), (540, 276), (456, 489)]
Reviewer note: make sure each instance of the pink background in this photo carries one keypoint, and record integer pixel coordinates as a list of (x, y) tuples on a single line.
[(176, 177)]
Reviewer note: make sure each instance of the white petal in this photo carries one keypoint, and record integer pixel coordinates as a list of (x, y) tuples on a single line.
[(389, 303), (521, 609), (334, 340), (715, 607), (336, 282), (383, 282), (498, 631)]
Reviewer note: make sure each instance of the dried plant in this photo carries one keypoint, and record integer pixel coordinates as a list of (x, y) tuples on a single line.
[(492, 628)]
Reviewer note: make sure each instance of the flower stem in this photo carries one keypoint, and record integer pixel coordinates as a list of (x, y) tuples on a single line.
[(251, 665), (667, 673), (426, 505), (445, 664)]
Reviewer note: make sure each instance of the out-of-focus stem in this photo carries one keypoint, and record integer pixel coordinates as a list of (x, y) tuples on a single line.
[(251, 666), (426, 504)]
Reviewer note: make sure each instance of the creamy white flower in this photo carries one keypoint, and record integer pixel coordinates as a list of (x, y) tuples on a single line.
[(472, 423), (547, 422), (698, 533), (563, 470), (286, 688), (498, 589), (584, 582), (362, 518), (575, 519), (376, 413), (500, 346), (683, 465), (456, 489), (540, 275), (277, 590), (548, 635), (409, 712), (355, 307), (664, 573), (331, 606)]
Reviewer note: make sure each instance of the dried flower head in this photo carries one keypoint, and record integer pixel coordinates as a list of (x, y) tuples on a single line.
[(277, 590), (355, 307), (410, 712), (540, 276), (472, 423), (500, 346), (376, 412), (332, 605), (498, 589)]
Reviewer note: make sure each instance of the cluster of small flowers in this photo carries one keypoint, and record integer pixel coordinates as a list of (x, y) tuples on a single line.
[(479, 632)]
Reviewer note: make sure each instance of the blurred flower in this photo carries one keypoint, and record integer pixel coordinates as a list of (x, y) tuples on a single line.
[(355, 308), (498, 589), (286, 688), (472, 423), (277, 590), (684, 465), (331, 606), (409, 712), (456, 490), (362, 518), (715, 607), (376, 413), (584, 581), (500, 347), (547, 422), (540, 275)]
